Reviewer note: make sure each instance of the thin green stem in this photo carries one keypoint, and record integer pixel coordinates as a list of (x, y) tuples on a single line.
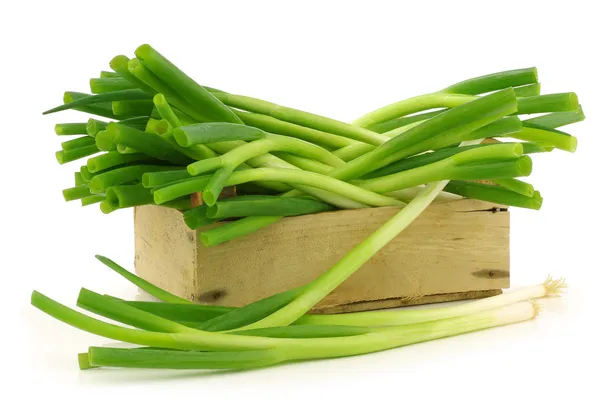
[(122, 312), (78, 143), (274, 125), (119, 64), (64, 157), (299, 117), (559, 139), (213, 132), (532, 89), (109, 74), (102, 181), (495, 81), (270, 206), (76, 193), (89, 100), (494, 194), (113, 159), (72, 128), (185, 87), (517, 186), (558, 119), (149, 144), (93, 199), (104, 85), (132, 108), (100, 109), (126, 196), (151, 289)]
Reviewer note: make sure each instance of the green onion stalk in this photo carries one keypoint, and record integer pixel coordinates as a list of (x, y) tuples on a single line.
[(452, 96), (165, 334)]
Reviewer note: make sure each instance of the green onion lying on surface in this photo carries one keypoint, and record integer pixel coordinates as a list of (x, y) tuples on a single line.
[(163, 138), (182, 335)]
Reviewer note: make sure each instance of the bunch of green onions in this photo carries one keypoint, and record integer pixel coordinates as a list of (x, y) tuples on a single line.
[(166, 138), (178, 334)]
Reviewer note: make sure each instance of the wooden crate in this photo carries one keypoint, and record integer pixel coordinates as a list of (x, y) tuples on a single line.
[(454, 250)]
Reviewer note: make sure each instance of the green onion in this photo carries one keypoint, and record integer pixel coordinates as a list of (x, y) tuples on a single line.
[(85, 173), (213, 132), (74, 128), (130, 94), (494, 194), (121, 312), (251, 313), (126, 150), (76, 193), (77, 143), (181, 312), (93, 199), (495, 81), (165, 111), (186, 87), (100, 109), (151, 145), (424, 159), (231, 230), (306, 164), (94, 126), (64, 157), (549, 288), (152, 81), (113, 159), (532, 89), (159, 178), (488, 162), (104, 85), (107, 357), (298, 117), (558, 119), (107, 207), (151, 289), (400, 122), (554, 137), (548, 103), (132, 108), (196, 217), (119, 64), (274, 125), (413, 105), (109, 74), (102, 181), (517, 186), (128, 196), (105, 141), (79, 179), (266, 206)]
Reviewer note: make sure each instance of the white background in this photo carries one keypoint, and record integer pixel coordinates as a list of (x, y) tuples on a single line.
[(340, 59)]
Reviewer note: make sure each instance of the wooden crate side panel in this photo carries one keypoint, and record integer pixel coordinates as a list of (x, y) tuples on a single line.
[(165, 250), (453, 247)]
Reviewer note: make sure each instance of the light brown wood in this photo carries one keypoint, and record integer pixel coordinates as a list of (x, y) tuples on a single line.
[(454, 250)]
